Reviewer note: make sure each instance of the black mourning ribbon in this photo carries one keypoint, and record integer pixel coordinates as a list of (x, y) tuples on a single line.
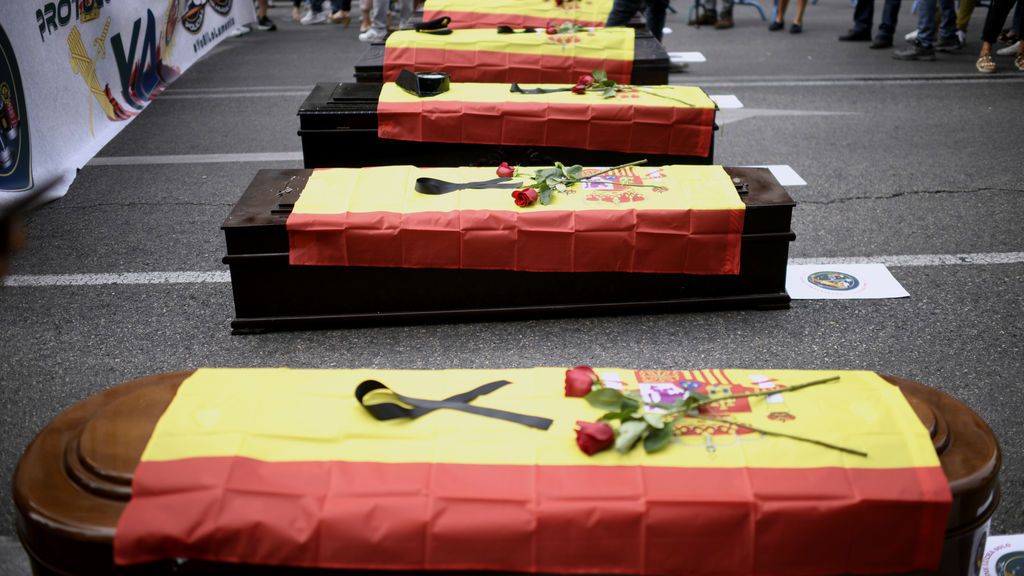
[(461, 402), (511, 30), (435, 187), (516, 89)]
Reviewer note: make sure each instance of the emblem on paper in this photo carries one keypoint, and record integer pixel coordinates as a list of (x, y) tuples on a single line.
[(838, 281), (15, 151)]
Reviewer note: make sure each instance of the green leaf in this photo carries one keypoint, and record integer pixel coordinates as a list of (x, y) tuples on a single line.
[(560, 187), (609, 84), (605, 399), (574, 172), (629, 405), (655, 420), (545, 195), (698, 396), (551, 182), (599, 76), (629, 432), (609, 416), (657, 439), (608, 93)]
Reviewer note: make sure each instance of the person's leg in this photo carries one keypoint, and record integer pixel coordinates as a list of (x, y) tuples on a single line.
[(725, 16), (623, 11), (654, 13), (780, 15), (379, 17), (926, 24), (863, 16), (994, 20), (405, 14), (890, 17), (947, 8), (296, 12), (801, 6), (364, 9), (963, 15)]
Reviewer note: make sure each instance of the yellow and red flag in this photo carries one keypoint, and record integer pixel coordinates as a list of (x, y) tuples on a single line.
[(518, 13), (671, 219), (486, 56), (285, 467), (677, 120)]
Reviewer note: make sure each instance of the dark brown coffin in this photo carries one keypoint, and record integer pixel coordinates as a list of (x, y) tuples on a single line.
[(271, 294), (74, 479), (650, 61), (338, 128)]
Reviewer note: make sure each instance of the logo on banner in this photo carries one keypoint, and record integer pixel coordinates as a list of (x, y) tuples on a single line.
[(837, 281), (624, 185), (195, 13), (15, 150)]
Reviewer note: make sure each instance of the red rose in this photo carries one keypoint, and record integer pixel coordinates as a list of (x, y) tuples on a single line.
[(586, 80), (579, 89), (579, 381), (552, 30), (524, 197), (506, 171), (559, 2), (593, 437)]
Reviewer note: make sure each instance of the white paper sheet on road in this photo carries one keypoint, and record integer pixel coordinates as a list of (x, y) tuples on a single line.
[(73, 73), (841, 282)]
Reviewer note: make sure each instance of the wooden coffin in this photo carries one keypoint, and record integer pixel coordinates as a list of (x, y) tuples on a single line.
[(338, 128), (650, 61), (271, 294), (74, 480)]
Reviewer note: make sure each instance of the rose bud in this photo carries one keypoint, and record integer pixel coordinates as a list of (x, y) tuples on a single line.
[(593, 437), (579, 381), (579, 89), (524, 197), (586, 80), (506, 171), (552, 30)]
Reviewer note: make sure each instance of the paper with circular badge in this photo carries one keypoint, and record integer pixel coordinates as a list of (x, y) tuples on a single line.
[(1003, 555), (842, 282)]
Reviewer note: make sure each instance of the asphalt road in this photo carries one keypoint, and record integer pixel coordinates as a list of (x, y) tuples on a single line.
[(901, 159)]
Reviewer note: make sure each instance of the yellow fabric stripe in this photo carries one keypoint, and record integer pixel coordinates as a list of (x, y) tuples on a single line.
[(312, 415), (601, 44), (572, 10), (660, 96), (392, 189)]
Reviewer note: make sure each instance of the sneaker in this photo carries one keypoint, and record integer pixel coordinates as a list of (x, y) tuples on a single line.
[(951, 44), (239, 31), (373, 35), (911, 37), (313, 18), (915, 52), (1009, 50), (266, 24)]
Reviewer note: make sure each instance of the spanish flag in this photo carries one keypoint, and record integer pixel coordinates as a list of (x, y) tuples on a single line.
[(671, 219), (518, 13), (486, 56), (677, 120), (286, 467)]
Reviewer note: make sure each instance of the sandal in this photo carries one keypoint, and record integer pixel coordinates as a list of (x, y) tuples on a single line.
[(985, 64), (1019, 61)]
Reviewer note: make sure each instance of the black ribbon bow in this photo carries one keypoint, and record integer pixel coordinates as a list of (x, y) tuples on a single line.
[(518, 90), (435, 187), (418, 407)]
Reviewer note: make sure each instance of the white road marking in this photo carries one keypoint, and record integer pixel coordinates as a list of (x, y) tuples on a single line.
[(784, 173), (730, 116), (196, 158), (223, 276), (726, 101), (686, 57)]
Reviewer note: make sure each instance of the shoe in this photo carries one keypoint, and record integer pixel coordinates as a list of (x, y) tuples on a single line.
[(1009, 50), (985, 65), (239, 31), (724, 23), (881, 42), (266, 24), (795, 28), (951, 44), (341, 17), (372, 35), (911, 36), (313, 18), (915, 52), (774, 26), (708, 18), (1019, 61), (856, 36)]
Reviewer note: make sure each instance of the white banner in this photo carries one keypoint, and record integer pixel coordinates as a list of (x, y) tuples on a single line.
[(75, 72)]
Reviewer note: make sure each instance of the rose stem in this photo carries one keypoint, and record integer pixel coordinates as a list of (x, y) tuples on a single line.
[(767, 392), (627, 165), (782, 434)]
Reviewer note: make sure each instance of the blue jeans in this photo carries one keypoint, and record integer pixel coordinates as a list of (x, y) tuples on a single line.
[(926, 21), (890, 15)]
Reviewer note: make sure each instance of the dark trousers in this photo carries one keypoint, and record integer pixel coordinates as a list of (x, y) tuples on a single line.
[(890, 16), (863, 15), (995, 19), (654, 12)]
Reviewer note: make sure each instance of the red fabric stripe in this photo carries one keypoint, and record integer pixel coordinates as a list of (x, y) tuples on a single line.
[(484, 20), (659, 241), (481, 66), (574, 519), (621, 128)]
